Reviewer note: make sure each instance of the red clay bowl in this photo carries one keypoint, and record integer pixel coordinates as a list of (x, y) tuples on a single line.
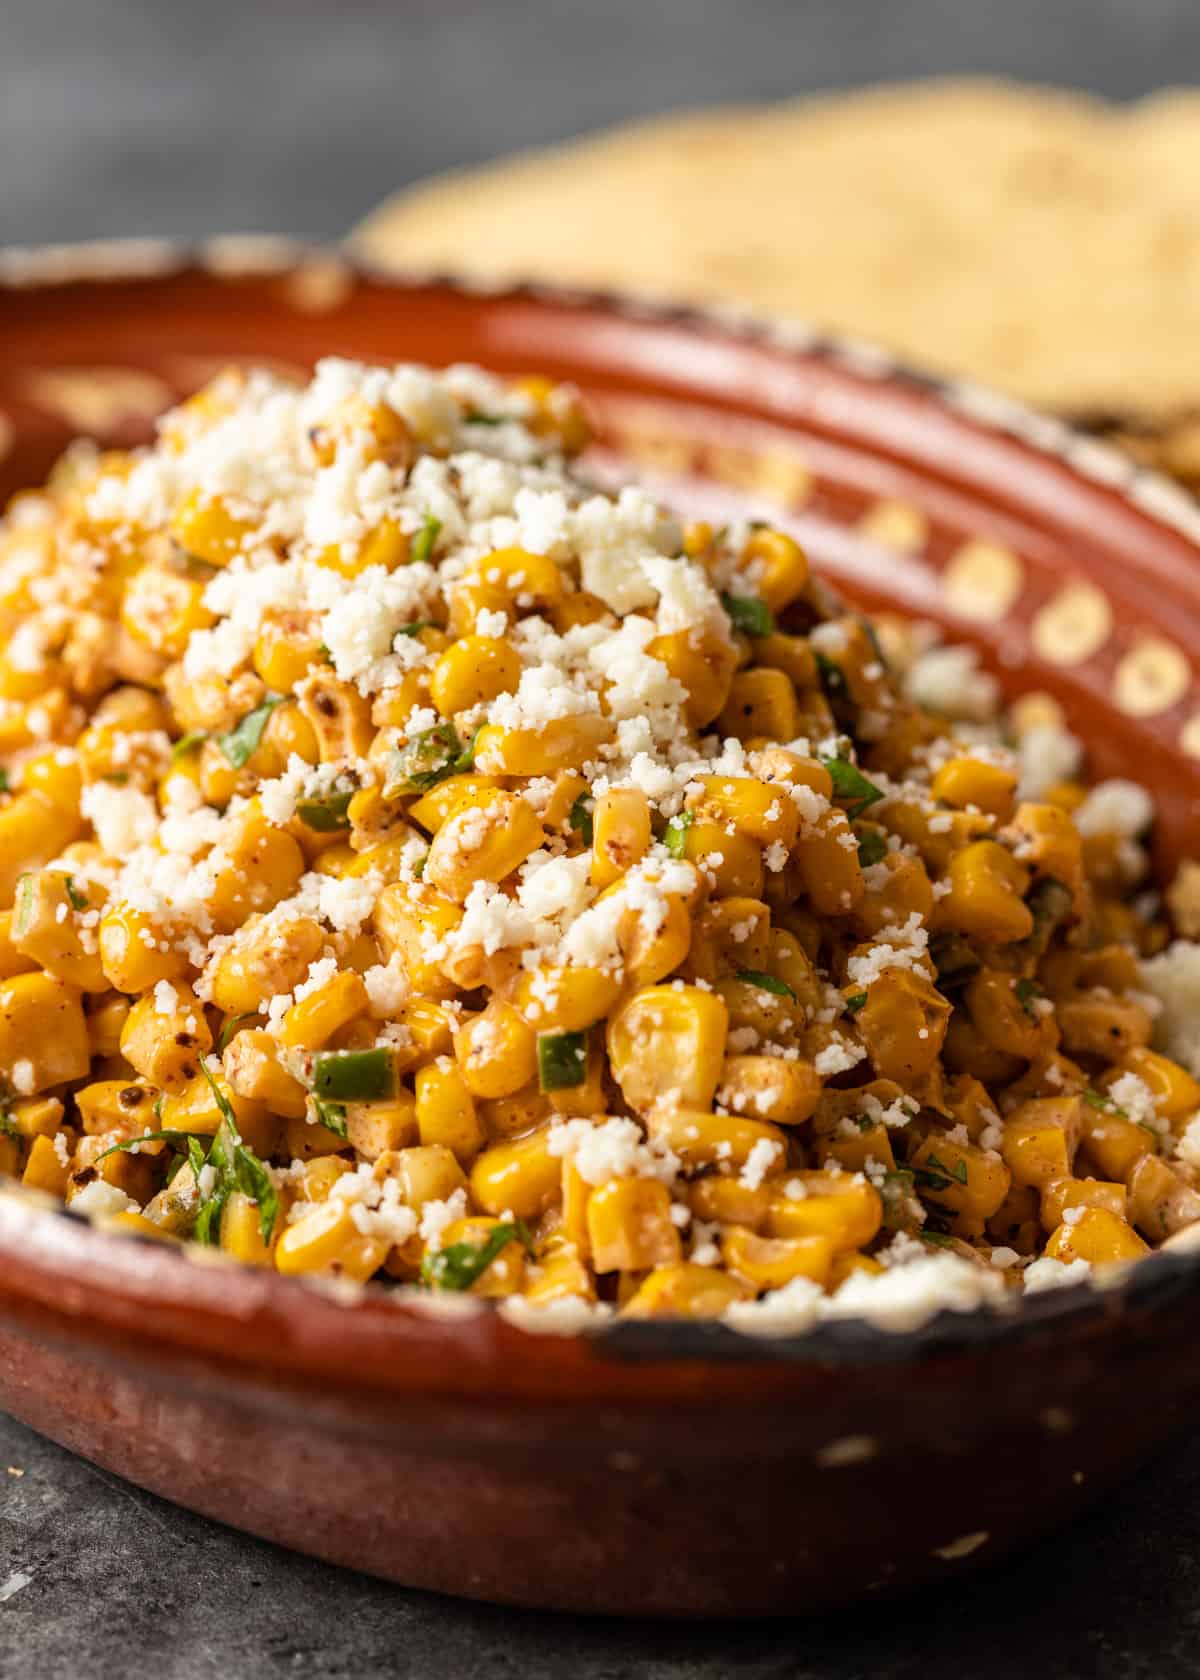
[(662, 1469)]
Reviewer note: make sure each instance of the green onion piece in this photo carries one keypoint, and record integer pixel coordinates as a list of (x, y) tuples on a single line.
[(562, 1060), (749, 614), (187, 744), (231, 1026), (675, 834), (241, 743), (580, 819), (872, 848), (458, 1266), (850, 783), (325, 815), (423, 543), (765, 982), (354, 1075), (76, 899), (332, 1116), (855, 1002)]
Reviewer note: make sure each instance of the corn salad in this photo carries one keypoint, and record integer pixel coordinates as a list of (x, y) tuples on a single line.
[(418, 865)]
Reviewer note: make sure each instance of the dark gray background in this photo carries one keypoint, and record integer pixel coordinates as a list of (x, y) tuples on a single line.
[(143, 116)]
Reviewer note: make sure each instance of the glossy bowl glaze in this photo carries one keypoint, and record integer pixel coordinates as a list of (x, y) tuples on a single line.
[(653, 1468)]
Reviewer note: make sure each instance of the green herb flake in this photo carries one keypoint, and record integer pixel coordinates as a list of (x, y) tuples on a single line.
[(938, 1238), (186, 744), (460, 1265), (850, 783), (416, 629), (429, 758), (562, 1060), (341, 1076), (872, 848), (855, 1002), (675, 833), (1097, 1099), (833, 678), (749, 614), (5, 784), (1028, 991), (476, 417), (327, 815), (332, 1116), (579, 817), (423, 544), (8, 1126), (237, 1168), (181, 1142), (765, 982), (241, 743), (76, 899)]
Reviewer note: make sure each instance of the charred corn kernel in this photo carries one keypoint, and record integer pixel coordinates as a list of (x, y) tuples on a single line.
[(565, 999), (450, 797), (375, 1129), (1114, 1143), (1050, 842), (56, 775), (262, 961), (1102, 1026), (725, 1141), (1174, 1090), (843, 1208), (778, 567), (960, 1176), (561, 744), (43, 1033), (973, 781), (263, 866), (429, 1031), (446, 1112), (328, 1240), (240, 1231), (163, 609), (685, 1291), (287, 649), (766, 1012), (621, 834), (311, 1023), (1160, 1202), (208, 529), (425, 1173), (830, 872), (165, 1044), (703, 665), (106, 1018), (408, 920), (116, 1105), (508, 1117), (760, 703), (1011, 1014), (483, 843), (520, 1177), (558, 1276), (770, 1088), (853, 1152), (1097, 1236), (473, 671), (727, 1201), (45, 1169), (1059, 1194), (508, 580), (388, 545), (630, 1227), (33, 829), (985, 900), (668, 1043), (338, 713), (788, 961), (35, 1116), (770, 1262), (903, 1024), (254, 1071), (652, 948), (496, 1051), (52, 918), (307, 1137), (373, 430), (732, 862), (761, 810), (1040, 1139), (904, 891), (135, 952), (730, 936)]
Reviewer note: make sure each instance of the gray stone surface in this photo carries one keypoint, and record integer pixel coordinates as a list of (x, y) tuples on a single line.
[(147, 116), (123, 1585)]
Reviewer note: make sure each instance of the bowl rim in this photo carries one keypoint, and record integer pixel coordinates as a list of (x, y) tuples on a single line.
[(45, 1247)]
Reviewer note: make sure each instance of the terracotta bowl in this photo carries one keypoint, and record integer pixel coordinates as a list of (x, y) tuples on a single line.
[(661, 1469)]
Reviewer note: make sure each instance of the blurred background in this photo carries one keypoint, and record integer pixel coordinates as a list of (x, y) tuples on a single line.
[(155, 116)]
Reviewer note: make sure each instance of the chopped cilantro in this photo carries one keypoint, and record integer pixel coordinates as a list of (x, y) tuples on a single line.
[(749, 614), (855, 1002), (833, 678), (237, 1168), (458, 1266), (850, 783), (872, 848), (416, 629), (427, 759), (187, 744), (766, 982), (1028, 991), (5, 784), (181, 1142), (76, 899), (242, 742), (579, 817)]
